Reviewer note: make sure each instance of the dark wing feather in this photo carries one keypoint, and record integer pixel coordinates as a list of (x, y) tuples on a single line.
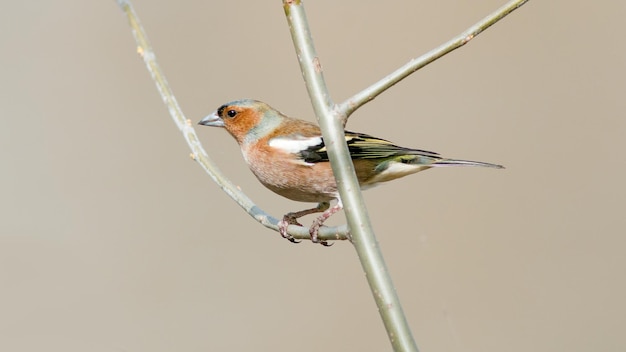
[(363, 146)]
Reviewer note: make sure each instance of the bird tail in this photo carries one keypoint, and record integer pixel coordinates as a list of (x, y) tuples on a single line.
[(454, 162)]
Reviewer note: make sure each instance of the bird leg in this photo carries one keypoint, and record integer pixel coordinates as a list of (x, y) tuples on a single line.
[(317, 223), (292, 219)]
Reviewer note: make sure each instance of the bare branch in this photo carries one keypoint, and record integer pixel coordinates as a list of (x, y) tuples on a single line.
[(361, 229), (332, 118), (346, 108), (198, 153)]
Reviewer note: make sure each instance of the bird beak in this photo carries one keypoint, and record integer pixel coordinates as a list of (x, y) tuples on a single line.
[(212, 120)]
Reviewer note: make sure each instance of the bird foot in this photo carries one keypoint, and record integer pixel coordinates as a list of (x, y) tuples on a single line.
[(288, 219), (317, 223), (292, 219), (314, 229)]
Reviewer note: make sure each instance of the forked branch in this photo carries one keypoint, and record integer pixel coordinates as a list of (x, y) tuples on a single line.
[(332, 118)]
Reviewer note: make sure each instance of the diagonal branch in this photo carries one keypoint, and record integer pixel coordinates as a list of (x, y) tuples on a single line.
[(346, 108), (332, 118), (198, 153)]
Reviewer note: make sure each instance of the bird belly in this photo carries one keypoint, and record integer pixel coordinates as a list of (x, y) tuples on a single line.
[(396, 170), (297, 181)]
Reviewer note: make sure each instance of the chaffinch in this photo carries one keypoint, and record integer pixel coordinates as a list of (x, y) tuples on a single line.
[(289, 157)]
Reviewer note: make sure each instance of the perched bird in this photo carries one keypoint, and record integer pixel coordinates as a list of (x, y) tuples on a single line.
[(289, 157)]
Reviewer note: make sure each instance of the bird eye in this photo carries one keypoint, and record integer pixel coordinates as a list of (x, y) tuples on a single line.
[(231, 113)]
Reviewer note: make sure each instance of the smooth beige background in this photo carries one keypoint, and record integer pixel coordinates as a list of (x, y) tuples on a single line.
[(113, 239)]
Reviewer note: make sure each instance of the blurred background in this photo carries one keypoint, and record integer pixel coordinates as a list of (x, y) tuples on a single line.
[(113, 239)]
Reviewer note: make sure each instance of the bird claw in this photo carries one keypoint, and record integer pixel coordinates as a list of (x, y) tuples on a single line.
[(287, 220), (292, 239), (292, 219), (315, 227), (323, 243)]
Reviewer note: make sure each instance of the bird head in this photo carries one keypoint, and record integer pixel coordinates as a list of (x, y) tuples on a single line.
[(244, 119)]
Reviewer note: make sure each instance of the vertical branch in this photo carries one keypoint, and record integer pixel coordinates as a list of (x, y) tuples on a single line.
[(331, 118), (361, 230)]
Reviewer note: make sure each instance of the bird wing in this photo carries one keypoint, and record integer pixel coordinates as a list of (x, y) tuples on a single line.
[(362, 146)]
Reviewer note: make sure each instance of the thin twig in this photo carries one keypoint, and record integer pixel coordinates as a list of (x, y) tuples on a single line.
[(346, 108), (198, 153), (361, 230), (332, 118)]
